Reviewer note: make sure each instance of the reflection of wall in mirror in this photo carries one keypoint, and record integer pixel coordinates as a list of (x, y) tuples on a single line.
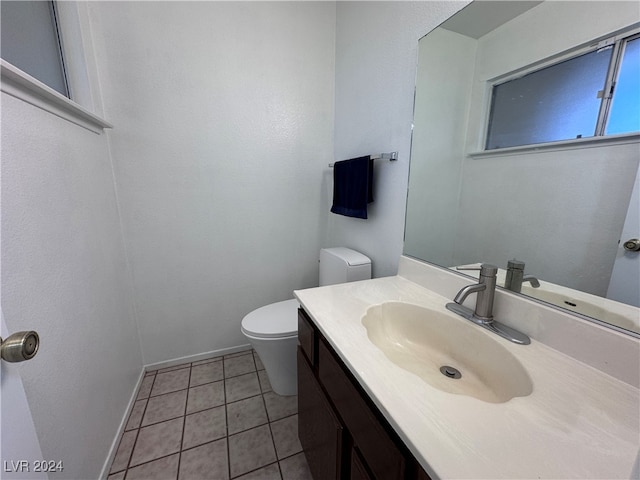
[(445, 72), (558, 210)]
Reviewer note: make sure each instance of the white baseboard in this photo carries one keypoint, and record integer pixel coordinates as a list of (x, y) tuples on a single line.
[(194, 358), (123, 423)]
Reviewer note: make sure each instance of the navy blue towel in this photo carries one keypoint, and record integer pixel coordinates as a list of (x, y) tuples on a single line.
[(352, 187)]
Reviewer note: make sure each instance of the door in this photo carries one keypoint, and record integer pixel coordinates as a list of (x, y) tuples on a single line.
[(19, 445), (624, 285)]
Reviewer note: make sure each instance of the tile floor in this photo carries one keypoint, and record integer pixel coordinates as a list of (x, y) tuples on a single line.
[(212, 419)]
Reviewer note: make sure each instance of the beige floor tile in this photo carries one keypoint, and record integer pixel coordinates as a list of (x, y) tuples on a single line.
[(135, 417), (259, 364), (246, 414), (170, 382), (207, 461), (270, 472), (206, 373), (165, 407), (279, 406), (205, 426), (244, 386), (250, 450), (295, 468), (238, 354), (205, 396), (207, 360), (265, 384), (175, 367), (123, 453), (285, 436), (145, 387), (157, 441), (239, 365), (165, 468)]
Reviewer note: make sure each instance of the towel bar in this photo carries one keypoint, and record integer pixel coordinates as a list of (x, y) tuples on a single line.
[(392, 157)]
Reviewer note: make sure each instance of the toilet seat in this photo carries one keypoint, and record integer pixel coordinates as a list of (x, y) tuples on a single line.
[(272, 321)]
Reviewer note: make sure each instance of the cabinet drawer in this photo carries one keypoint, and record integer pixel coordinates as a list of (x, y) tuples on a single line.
[(320, 432), (306, 337), (378, 449)]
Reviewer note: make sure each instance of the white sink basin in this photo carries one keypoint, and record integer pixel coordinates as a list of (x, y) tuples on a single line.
[(422, 341)]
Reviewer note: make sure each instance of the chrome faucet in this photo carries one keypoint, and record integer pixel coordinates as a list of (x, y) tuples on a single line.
[(486, 289), (483, 314), (516, 277)]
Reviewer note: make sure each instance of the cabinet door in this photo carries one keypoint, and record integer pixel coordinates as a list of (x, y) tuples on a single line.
[(320, 432), (378, 449), (358, 470), (307, 337)]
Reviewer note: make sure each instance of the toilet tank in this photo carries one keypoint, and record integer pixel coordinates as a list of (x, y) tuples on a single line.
[(341, 265)]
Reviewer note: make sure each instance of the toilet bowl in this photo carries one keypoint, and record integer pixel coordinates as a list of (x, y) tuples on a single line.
[(272, 330)]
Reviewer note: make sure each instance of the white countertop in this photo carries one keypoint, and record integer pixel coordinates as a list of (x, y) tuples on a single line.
[(577, 423)]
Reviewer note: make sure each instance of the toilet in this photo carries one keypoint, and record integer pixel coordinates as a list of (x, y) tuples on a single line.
[(272, 330)]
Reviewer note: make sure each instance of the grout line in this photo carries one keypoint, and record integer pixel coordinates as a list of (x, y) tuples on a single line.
[(137, 430), (226, 419), (225, 404), (184, 424), (259, 468), (151, 461), (273, 442)]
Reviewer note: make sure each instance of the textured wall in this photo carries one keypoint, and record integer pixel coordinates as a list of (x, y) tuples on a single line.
[(376, 56), (223, 115), (437, 146), (64, 275)]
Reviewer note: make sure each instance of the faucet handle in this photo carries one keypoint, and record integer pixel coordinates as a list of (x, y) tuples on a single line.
[(488, 270), (515, 265)]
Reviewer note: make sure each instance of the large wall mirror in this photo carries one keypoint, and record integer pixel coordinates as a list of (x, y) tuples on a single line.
[(562, 208)]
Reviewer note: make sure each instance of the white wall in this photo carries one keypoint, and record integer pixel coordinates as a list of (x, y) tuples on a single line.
[(223, 115), (558, 210), (64, 275), (445, 74), (376, 54)]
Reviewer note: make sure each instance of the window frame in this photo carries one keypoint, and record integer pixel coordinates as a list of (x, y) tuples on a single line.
[(80, 107), (617, 40)]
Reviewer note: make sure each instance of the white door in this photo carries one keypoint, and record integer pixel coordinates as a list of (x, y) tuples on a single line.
[(625, 278), (19, 443)]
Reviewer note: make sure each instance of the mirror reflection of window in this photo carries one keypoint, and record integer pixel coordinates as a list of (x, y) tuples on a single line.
[(570, 99), (559, 102), (625, 111)]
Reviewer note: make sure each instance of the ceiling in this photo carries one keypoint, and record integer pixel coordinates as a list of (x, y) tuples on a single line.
[(482, 16)]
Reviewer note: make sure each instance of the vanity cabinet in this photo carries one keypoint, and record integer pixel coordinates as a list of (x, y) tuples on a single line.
[(343, 434)]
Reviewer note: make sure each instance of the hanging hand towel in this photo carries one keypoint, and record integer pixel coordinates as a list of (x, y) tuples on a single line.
[(352, 187)]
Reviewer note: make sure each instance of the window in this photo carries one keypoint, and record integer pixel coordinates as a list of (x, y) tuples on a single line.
[(593, 94), (30, 41)]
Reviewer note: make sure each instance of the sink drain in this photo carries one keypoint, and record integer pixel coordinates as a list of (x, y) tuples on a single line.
[(450, 372)]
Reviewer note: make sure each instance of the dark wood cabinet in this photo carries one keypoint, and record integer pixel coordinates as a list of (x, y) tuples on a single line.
[(358, 470), (343, 434), (320, 432)]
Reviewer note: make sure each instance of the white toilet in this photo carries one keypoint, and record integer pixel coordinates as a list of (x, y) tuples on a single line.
[(272, 330)]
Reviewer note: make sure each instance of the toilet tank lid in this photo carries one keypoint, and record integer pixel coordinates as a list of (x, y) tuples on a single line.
[(352, 257), (275, 320)]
